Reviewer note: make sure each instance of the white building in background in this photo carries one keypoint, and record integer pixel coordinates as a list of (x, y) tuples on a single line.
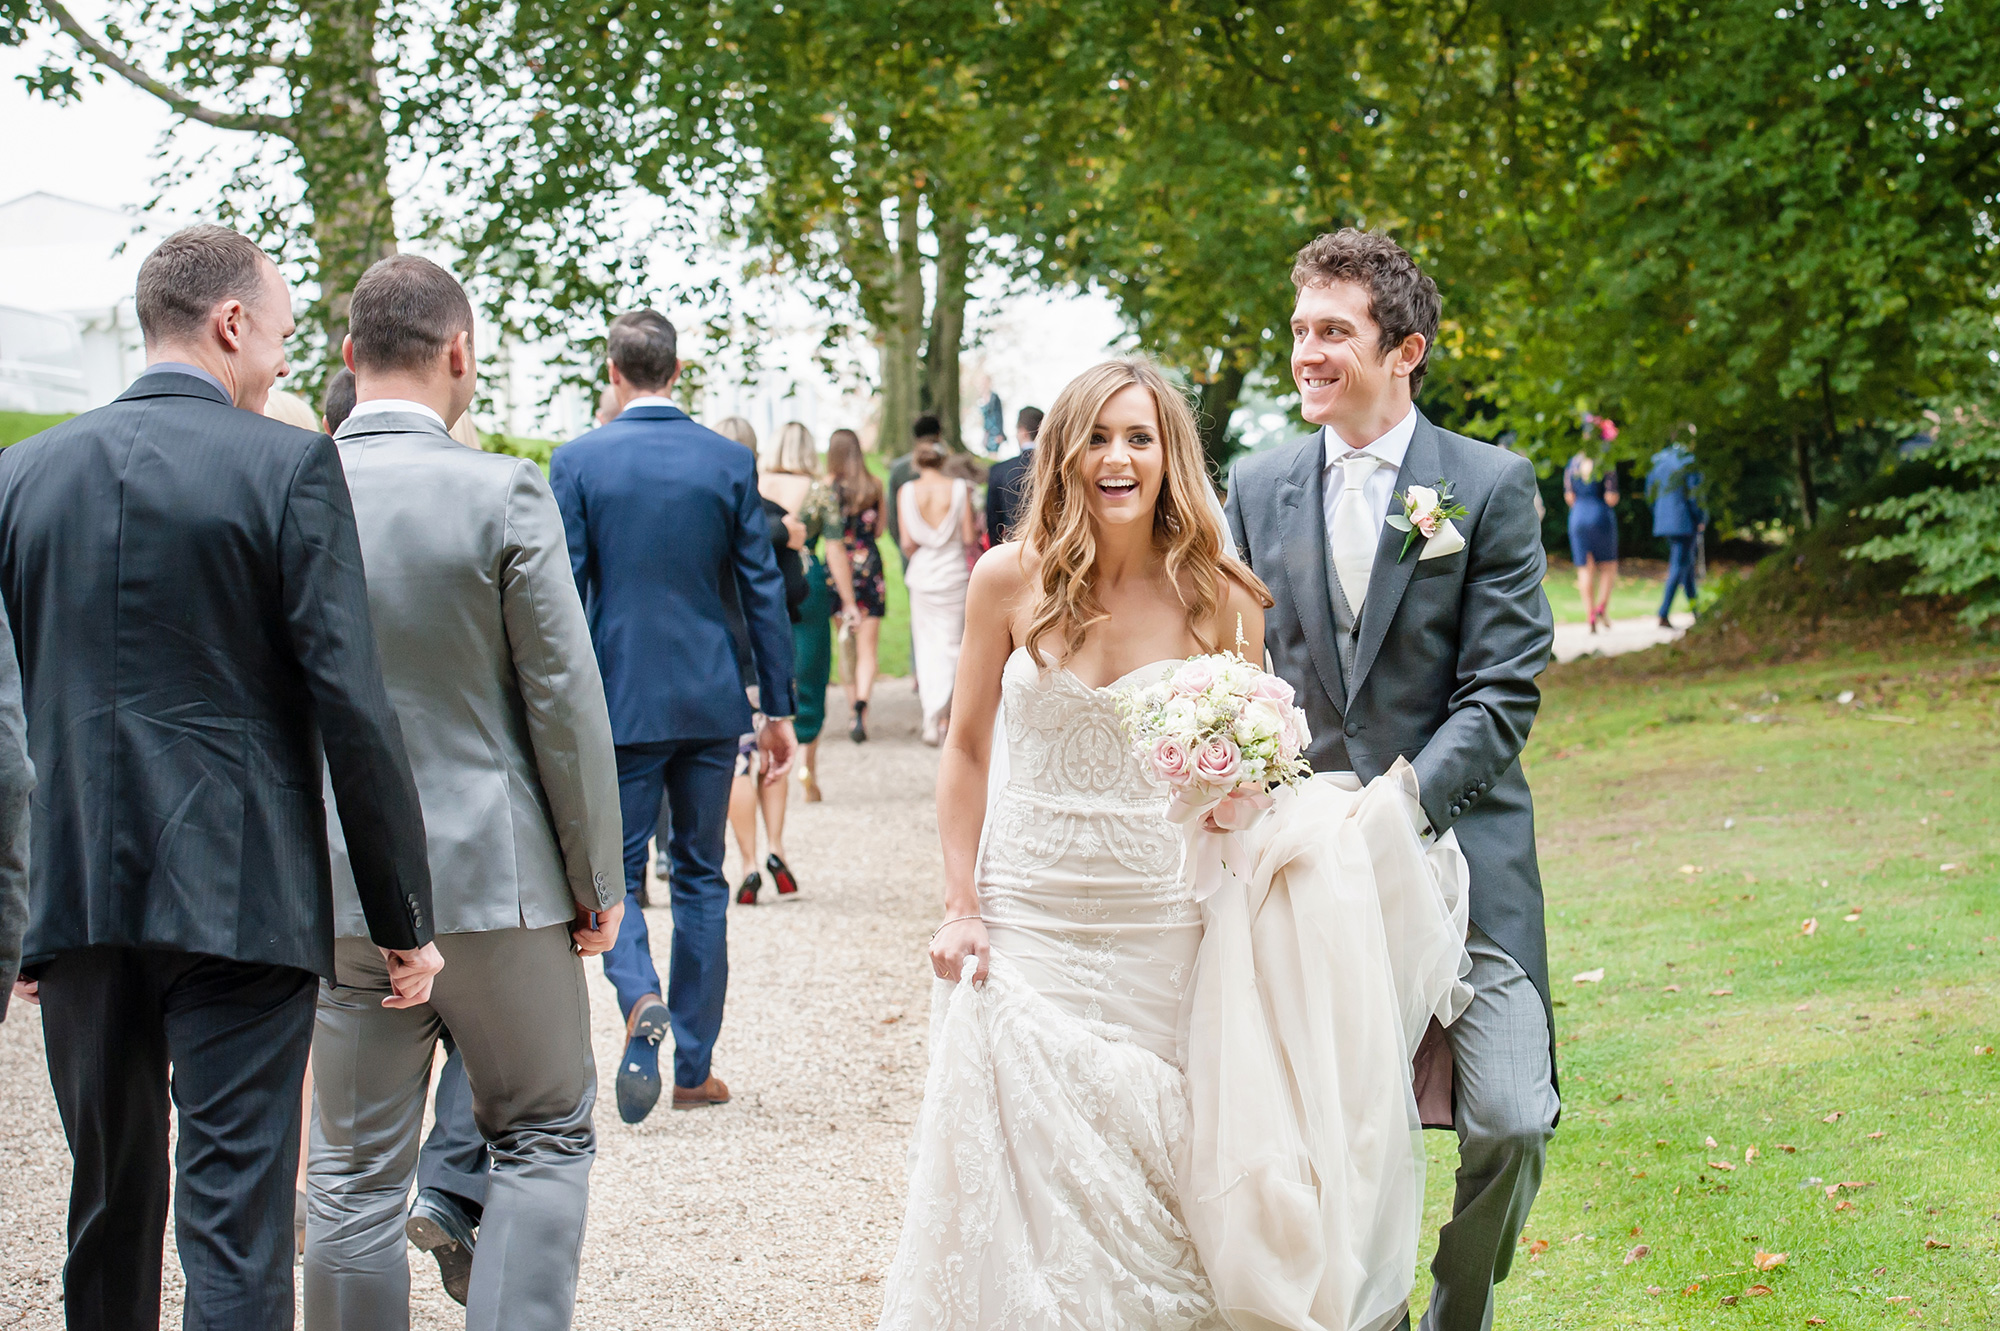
[(77, 262)]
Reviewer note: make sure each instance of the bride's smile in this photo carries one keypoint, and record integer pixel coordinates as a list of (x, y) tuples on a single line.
[(1124, 464)]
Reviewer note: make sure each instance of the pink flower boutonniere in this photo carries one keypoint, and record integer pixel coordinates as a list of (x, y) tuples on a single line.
[(1425, 509)]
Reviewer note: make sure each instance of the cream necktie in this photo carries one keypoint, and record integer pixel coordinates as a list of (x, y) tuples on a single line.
[(1353, 533)]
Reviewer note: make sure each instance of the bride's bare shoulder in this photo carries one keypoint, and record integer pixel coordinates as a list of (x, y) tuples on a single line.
[(1004, 571)]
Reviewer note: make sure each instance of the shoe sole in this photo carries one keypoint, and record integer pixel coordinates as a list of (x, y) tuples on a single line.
[(698, 1104), (652, 1027), (453, 1259)]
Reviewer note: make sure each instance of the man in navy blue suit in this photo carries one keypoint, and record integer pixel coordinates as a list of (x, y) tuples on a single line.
[(661, 515)]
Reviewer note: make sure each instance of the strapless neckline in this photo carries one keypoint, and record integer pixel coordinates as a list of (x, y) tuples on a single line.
[(1022, 652)]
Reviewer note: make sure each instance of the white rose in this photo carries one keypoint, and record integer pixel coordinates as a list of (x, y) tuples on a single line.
[(1422, 502)]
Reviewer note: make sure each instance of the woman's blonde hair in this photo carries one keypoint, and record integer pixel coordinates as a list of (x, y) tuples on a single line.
[(796, 453), (1186, 529), (735, 427)]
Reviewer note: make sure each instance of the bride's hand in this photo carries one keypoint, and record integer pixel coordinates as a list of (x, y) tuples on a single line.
[(953, 943)]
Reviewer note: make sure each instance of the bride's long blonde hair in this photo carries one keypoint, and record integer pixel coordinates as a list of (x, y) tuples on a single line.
[(1186, 528)]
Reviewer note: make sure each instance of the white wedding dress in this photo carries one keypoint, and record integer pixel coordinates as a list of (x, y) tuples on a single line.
[(1126, 1125)]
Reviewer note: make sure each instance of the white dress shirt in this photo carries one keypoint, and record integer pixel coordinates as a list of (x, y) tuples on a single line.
[(375, 406), (650, 400), (1380, 487)]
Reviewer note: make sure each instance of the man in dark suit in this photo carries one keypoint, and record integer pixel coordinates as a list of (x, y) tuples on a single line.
[(1007, 483), (17, 781), (1425, 646), (662, 516), (186, 590)]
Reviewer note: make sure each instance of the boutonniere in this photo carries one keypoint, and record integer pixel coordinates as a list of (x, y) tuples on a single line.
[(1425, 509)]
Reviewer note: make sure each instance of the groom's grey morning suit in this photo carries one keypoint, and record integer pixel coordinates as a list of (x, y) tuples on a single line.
[(487, 658), (1438, 667)]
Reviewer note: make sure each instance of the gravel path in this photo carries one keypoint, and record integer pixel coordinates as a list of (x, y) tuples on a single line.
[(779, 1210)]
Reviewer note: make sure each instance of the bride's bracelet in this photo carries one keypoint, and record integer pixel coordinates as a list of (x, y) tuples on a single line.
[(953, 920)]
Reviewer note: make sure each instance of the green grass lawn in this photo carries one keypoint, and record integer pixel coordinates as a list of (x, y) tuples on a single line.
[(18, 425), (1795, 905)]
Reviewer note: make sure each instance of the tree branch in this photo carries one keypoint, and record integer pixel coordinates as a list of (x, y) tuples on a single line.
[(249, 123)]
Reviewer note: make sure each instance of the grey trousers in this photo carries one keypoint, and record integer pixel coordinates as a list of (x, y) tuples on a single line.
[(1505, 1111), (514, 1000)]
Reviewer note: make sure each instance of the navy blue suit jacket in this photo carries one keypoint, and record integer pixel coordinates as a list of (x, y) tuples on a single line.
[(661, 514)]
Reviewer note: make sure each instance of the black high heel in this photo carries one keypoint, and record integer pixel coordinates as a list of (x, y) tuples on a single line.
[(781, 877), (858, 732), (746, 895)]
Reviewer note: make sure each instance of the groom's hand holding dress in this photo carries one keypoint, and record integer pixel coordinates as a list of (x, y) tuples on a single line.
[(1428, 653)]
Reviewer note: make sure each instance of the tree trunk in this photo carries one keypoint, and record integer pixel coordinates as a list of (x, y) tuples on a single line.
[(900, 333), (947, 323), (343, 151), (1802, 464), (1218, 404)]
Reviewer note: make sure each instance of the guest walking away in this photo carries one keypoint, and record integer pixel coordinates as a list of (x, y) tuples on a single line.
[(860, 500), (938, 528), (487, 657), (185, 584), (747, 792), (793, 480), (924, 430), (1007, 483), (17, 782), (661, 515), (337, 401), (1591, 491), (1673, 485)]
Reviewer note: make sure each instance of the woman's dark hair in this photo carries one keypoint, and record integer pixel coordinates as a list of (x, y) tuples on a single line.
[(848, 469)]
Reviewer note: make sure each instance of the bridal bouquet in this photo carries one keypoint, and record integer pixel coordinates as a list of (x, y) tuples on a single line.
[(1221, 734)]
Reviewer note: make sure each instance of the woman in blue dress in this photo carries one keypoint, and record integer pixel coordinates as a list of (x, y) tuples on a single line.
[(1591, 491)]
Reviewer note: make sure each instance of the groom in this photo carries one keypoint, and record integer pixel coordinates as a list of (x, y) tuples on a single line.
[(1426, 648)]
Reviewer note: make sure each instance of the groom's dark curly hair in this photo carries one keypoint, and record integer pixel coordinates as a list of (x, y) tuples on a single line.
[(1401, 299)]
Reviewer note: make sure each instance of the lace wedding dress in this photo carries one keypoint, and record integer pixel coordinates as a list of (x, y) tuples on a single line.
[(1108, 1136)]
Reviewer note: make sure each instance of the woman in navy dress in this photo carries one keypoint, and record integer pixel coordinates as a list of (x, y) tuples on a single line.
[(1591, 491)]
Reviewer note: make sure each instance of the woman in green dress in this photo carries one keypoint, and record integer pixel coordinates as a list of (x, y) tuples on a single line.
[(792, 479)]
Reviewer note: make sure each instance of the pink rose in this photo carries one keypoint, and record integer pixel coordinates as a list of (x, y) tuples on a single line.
[(1196, 676), (1217, 762), (1169, 759), (1269, 688), (1428, 524)]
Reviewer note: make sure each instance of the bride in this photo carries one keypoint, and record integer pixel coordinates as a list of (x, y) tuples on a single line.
[(1099, 1145)]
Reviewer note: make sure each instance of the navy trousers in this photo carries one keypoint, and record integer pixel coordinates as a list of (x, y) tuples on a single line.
[(131, 1031), (695, 775), (455, 1158), (1680, 572)]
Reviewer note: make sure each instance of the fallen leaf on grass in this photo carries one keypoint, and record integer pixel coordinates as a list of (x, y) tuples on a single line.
[(1769, 1261), (1756, 1290), (1638, 1254), (1834, 1116), (1946, 868), (1720, 993), (1720, 1164), (1815, 1321), (1852, 915), (1877, 1136), (1810, 927), (1674, 989), (1588, 977), (1845, 1206), (1537, 1248), (1692, 1289), (1654, 1289), (1727, 1300), (1935, 1245), (1710, 1143), (1981, 1049), (1749, 1154), (1691, 868)]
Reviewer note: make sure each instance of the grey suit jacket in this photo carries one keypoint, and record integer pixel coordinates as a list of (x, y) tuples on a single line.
[(488, 661), (17, 782), (1445, 653)]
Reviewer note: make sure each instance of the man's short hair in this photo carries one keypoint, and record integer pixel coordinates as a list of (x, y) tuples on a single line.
[(1401, 298), (1030, 420), (645, 348), (190, 273), (337, 403), (927, 427), (405, 312)]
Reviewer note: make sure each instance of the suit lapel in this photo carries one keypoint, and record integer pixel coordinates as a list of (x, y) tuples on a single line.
[(1391, 577), (1302, 492)]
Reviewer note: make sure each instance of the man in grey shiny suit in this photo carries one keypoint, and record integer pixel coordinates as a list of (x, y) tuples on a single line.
[(1423, 645), (488, 661)]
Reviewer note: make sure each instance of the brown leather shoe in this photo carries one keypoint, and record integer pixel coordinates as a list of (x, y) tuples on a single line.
[(710, 1092)]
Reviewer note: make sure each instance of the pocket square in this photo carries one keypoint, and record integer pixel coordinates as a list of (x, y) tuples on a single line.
[(1446, 542)]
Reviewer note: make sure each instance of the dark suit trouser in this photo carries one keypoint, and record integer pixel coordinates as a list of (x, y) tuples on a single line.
[(129, 1031), (455, 1158), (696, 775), (1680, 572)]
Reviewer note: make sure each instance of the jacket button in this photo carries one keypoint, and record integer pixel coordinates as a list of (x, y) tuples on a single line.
[(1353, 729), (1454, 811)]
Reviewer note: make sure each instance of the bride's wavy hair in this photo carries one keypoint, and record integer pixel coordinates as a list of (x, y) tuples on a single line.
[(1187, 529)]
